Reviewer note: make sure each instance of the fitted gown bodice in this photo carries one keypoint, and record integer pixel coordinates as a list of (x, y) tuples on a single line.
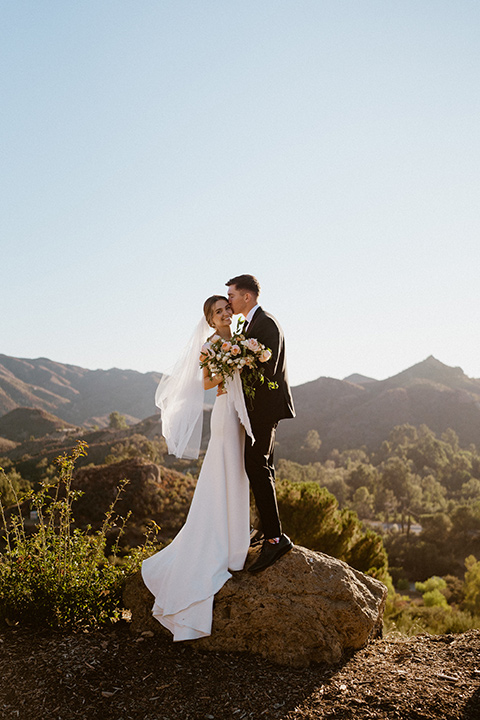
[(185, 575)]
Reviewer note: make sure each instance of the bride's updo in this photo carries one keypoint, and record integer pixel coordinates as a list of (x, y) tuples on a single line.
[(209, 305)]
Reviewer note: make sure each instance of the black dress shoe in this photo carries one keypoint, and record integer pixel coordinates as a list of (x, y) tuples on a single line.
[(270, 553), (256, 537)]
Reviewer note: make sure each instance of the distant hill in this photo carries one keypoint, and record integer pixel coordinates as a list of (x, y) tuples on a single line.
[(348, 415), (40, 437), (24, 423), (359, 379), (76, 395)]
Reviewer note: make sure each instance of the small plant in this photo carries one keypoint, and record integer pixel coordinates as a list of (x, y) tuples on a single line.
[(59, 575)]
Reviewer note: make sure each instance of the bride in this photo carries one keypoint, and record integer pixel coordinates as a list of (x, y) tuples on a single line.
[(185, 575)]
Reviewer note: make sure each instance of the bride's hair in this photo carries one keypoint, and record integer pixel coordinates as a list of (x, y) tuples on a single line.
[(209, 304)]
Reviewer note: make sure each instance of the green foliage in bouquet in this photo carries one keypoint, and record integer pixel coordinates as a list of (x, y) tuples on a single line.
[(58, 575)]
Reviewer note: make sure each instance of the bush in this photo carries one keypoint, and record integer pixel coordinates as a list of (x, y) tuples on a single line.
[(433, 583), (311, 517), (413, 620), (59, 576), (434, 598), (117, 421), (137, 446), (12, 485), (472, 585)]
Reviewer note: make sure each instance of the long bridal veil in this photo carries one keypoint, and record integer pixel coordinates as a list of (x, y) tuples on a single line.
[(180, 399)]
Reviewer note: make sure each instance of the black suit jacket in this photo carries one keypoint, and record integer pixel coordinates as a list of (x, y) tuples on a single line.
[(270, 406)]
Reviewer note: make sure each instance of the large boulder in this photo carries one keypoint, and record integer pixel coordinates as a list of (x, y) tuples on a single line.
[(307, 607)]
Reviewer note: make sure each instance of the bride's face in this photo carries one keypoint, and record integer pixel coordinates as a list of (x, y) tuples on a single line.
[(221, 315)]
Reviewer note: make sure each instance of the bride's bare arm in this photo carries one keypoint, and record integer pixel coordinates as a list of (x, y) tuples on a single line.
[(209, 382)]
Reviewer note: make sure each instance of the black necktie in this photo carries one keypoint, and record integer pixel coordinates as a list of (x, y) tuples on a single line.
[(245, 325)]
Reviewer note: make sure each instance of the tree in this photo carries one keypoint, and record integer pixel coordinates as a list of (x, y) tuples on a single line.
[(433, 495), (436, 528), (470, 490), (363, 503), (138, 446), (117, 421), (311, 516), (362, 476), (312, 441), (472, 585)]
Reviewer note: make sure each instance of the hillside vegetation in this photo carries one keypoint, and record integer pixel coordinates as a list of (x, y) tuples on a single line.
[(407, 513)]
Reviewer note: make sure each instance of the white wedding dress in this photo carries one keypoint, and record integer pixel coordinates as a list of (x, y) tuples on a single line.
[(185, 575)]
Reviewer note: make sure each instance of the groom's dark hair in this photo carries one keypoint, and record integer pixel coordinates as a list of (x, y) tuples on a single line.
[(245, 282)]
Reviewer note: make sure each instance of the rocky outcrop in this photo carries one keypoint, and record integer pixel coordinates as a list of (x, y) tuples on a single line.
[(308, 607), (152, 493)]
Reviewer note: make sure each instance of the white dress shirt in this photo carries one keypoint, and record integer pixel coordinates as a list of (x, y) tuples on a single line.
[(252, 312)]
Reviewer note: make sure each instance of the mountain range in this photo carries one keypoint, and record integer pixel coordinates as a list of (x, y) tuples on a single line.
[(361, 411), (346, 413), (74, 394)]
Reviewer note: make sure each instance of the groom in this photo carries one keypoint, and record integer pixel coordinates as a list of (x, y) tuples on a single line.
[(265, 410)]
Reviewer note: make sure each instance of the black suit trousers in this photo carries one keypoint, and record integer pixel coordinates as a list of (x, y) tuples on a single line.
[(261, 473)]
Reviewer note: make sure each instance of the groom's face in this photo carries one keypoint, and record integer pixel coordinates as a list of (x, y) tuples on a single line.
[(238, 299)]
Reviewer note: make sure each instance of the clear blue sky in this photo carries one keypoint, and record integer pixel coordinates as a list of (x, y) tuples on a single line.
[(151, 150)]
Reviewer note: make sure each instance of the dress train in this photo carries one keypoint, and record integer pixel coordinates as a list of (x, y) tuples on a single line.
[(185, 575)]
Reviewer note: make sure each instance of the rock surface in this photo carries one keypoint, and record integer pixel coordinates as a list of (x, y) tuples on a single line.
[(308, 607)]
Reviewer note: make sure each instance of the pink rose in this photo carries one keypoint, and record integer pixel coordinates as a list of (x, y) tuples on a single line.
[(265, 355), (235, 350), (226, 346), (252, 344)]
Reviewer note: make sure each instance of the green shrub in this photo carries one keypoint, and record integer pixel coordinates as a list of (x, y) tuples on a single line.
[(472, 584), (59, 576), (117, 421), (433, 583), (434, 598), (311, 517), (137, 446), (12, 485), (414, 619)]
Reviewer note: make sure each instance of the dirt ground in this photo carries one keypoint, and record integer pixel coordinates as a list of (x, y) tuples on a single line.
[(114, 675)]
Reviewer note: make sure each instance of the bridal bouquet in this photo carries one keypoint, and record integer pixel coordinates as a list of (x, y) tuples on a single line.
[(225, 357)]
